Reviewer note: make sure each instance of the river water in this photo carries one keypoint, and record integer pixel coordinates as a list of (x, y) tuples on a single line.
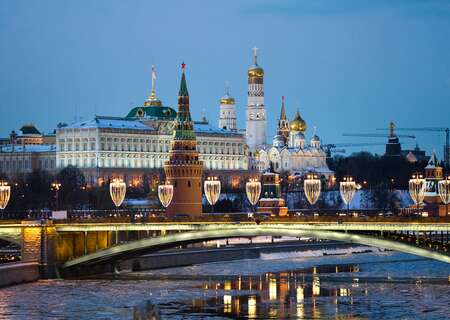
[(295, 285)]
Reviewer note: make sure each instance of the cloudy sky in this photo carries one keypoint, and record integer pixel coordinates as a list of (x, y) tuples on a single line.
[(349, 65)]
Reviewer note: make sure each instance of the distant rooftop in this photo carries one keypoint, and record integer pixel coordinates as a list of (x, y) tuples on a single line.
[(109, 122)]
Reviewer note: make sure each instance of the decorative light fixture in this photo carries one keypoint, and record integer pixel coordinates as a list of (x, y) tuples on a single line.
[(56, 186), (417, 187), (312, 186), (347, 188), (165, 194), (117, 190), (444, 192), (212, 190), (253, 191), (5, 194)]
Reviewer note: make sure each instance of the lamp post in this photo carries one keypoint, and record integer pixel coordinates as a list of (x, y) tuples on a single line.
[(347, 188), (5, 194), (117, 191), (165, 194), (444, 192), (312, 186), (56, 186), (417, 186), (212, 190), (253, 191)]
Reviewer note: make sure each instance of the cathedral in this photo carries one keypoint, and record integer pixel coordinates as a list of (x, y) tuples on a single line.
[(291, 153)]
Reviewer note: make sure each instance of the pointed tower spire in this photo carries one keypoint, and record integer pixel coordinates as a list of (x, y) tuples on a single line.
[(183, 86), (283, 123), (283, 111)]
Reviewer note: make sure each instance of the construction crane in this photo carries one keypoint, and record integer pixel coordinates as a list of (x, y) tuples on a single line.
[(378, 135), (433, 129), (333, 147)]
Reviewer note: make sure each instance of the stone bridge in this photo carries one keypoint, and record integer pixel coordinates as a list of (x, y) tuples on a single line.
[(74, 248)]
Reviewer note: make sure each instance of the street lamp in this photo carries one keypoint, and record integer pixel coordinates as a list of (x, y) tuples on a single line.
[(444, 192), (253, 191), (347, 188), (417, 187), (212, 190), (5, 194), (56, 186), (312, 185), (117, 190), (165, 194)]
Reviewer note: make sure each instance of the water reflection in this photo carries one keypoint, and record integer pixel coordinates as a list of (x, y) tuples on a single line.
[(275, 295)]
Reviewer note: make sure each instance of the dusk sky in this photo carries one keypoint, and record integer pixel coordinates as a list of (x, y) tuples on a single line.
[(349, 65)]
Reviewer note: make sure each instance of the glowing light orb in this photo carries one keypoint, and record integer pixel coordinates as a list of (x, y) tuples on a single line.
[(212, 190), (117, 191), (444, 190), (253, 191), (165, 194), (347, 189), (417, 187), (5, 194), (312, 187)]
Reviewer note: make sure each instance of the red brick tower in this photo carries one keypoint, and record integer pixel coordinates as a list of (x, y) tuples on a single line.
[(183, 170)]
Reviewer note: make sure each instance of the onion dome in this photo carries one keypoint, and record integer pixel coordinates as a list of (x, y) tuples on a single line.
[(255, 71), (227, 99), (298, 124)]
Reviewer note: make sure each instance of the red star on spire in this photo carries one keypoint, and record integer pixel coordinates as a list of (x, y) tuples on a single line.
[(183, 66)]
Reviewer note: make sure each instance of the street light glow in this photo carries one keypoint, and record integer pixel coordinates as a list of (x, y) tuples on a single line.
[(165, 194), (312, 186), (117, 190), (5, 194)]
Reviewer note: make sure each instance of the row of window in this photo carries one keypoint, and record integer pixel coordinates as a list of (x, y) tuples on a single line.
[(26, 164), (145, 163)]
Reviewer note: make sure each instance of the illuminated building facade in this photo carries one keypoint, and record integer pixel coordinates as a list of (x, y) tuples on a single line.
[(289, 151), (139, 144)]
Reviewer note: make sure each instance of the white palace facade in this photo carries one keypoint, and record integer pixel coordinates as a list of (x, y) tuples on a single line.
[(138, 144)]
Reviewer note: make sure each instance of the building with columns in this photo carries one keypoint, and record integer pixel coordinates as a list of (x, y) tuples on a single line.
[(256, 111)]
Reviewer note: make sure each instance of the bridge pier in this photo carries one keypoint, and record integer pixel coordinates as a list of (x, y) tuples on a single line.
[(38, 246)]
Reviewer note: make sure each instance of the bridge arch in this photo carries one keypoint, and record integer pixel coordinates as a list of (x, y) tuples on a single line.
[(139, 247)]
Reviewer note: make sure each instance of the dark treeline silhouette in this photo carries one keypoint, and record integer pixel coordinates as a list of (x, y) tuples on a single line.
[(375, 170), (34, 191)]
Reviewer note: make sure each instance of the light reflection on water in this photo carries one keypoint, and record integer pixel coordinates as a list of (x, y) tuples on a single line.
[(340, 287)]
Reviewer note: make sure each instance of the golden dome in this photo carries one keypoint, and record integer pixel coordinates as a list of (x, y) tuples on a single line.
[(255, 72), (298, 124), (227, 100)]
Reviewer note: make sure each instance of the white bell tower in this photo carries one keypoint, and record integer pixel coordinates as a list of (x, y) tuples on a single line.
[(256, 111)]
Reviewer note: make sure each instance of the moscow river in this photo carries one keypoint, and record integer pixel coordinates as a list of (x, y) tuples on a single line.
[(294, 285)]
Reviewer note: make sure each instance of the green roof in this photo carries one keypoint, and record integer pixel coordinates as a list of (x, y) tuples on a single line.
[(183, 86), (153, 112), (29, 129)]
